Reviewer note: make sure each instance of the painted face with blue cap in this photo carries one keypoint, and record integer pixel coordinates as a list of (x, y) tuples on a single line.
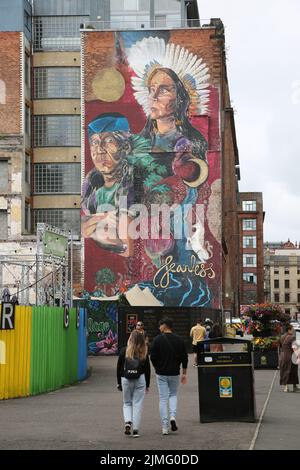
[(109, 141)]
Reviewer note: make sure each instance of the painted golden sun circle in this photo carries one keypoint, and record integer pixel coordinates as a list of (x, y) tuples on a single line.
[(108, 84)]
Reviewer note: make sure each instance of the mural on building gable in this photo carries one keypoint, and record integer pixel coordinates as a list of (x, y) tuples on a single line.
[(151, 197)]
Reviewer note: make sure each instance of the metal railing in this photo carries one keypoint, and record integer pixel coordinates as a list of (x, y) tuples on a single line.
[(124, 24)]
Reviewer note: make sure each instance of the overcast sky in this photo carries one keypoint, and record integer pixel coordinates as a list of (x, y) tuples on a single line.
[(263, 42)]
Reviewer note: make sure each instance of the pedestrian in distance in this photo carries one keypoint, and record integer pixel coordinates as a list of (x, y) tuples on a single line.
[(141, 329), (288, 370), (168, 353), (197, 334), (215, 332), (133, 376)]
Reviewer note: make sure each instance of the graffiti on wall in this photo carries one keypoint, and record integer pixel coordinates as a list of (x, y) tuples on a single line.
[(151, 196), (102, 327)]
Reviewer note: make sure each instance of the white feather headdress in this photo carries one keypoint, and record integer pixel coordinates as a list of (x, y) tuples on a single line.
[(151, 53)]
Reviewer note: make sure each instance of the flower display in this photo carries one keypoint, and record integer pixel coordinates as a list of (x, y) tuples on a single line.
[(266, 344), (265, 312), (264, 322)]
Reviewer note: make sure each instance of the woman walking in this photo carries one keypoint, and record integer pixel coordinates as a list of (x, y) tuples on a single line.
[(288, 370), (133, 374)]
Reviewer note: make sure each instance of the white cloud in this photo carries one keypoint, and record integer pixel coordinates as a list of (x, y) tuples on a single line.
[(264, 77)]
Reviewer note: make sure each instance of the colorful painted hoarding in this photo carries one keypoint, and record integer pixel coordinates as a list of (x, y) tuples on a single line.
[(151, 196), (40, 354)]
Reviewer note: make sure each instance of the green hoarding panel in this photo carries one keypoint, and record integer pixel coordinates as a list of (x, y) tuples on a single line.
[(54, 351)]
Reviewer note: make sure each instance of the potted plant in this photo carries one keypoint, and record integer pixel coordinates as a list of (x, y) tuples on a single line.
[(264, 322)]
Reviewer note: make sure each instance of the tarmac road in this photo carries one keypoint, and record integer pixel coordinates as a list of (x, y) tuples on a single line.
[(89, 416)]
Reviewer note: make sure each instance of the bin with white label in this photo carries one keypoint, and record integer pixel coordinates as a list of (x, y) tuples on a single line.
[(226, 380)]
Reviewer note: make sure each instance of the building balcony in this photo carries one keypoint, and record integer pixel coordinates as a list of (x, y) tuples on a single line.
[(124, 24)]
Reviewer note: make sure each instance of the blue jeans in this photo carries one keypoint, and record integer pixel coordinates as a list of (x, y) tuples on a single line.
[(133, 397), (167, 388)]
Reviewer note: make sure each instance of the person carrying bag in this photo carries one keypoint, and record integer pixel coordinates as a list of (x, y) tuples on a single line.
[(133, 376)]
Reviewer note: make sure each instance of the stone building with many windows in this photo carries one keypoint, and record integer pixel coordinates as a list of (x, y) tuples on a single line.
[(282, 275)]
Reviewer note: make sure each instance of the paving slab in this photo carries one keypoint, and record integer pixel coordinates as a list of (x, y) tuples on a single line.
[(89, 416)]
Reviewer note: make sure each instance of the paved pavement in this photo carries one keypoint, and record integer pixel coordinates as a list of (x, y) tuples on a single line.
[(89, 416), (280, 428)]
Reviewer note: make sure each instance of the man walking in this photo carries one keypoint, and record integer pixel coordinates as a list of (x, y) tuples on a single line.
[(197, 334), (168, 352)]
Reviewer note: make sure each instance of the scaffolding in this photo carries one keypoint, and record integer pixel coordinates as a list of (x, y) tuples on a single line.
[(44, 277)]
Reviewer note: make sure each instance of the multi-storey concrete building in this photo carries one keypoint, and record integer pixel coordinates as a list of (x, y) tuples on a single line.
[(251, 220), (41, 145), (282, 275)]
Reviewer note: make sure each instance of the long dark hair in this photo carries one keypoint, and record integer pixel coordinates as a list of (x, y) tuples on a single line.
[(181, 117)]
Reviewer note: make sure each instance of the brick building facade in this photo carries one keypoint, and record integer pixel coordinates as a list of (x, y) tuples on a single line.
[(251, 219)]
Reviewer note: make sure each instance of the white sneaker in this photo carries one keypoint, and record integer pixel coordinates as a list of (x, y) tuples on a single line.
[(165, 431), (286, 388)]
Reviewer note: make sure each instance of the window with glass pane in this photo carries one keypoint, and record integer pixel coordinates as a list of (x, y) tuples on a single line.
[(56, 82), (250, 277), (249, 224), (249, 260), (27, 217), (249, 206), (3, 176), (54, 33), (3, 225), (57, 131), (27, 70), (276, 297), (276, 283), (249, 242), (298, 299), (170, 6), (160, 21), (27, 168), (286, 297), (27, 120), (57, 178), (65, 219)]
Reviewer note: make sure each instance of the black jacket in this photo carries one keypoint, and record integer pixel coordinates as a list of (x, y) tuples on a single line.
[(144, 368), (168, 351)]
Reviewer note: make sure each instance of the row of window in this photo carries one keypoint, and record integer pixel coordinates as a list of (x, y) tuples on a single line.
[(57, 131), (57, 32), (144, 5), (286, 284), (66, 219), (249, 224), (249, 260), (286, 271), (249, 241), (56, 82), (250, 278), (286, 298), (62, 178), (249, 206)]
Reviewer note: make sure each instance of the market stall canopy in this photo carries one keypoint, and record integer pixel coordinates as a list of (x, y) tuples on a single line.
[(141, 298), (151, 298)]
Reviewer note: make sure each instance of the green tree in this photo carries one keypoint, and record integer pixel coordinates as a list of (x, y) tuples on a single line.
[(105, 276)]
